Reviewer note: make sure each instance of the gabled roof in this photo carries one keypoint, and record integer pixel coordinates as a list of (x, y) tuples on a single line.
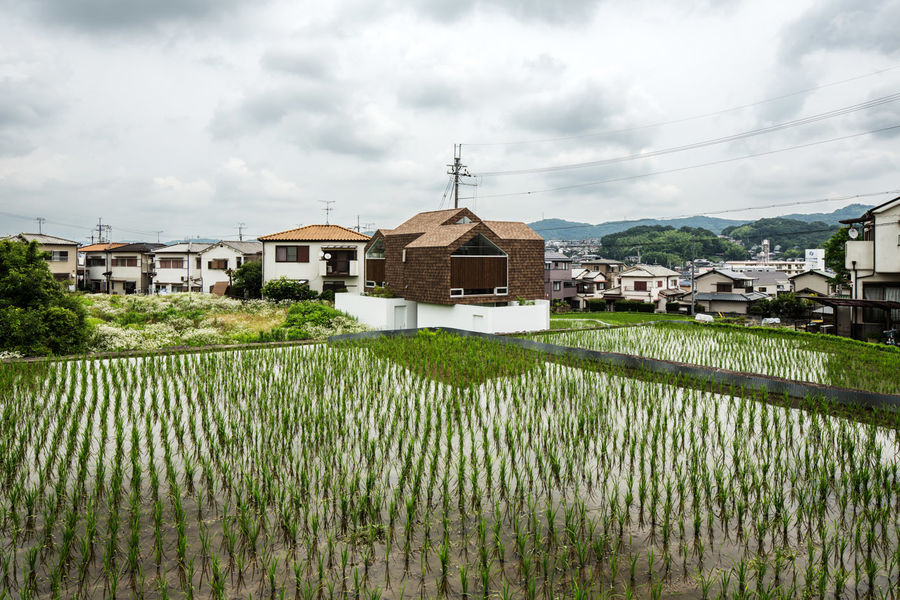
[(554, 255), (41, 238), (102, 247), (441, 236), (767, 277), (815, 272), (239, 246), (512, 230), (316, 233), (870, 214), (648, 271), (430, 220), (730, 297), (138, 247), (733, 275), (183, 248)]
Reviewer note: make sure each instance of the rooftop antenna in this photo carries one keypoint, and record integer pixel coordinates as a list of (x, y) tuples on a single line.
[(240, 227), (327, 208), (457, 169), (40, 222)]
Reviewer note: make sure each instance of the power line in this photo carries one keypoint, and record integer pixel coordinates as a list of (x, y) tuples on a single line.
[(690, 167), (705, 143), (686, 119)]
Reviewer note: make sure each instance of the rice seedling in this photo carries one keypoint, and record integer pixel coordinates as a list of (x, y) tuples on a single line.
[(331, 469)]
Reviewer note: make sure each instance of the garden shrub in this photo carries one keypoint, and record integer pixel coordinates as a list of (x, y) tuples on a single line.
[(287, 289), (634, 306), (596, 305)]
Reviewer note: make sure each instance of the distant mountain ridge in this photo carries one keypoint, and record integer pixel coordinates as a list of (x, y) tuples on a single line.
[(561, 229)]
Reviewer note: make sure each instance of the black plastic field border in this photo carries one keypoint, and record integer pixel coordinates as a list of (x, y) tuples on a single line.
[(721, 378), (163, 351)]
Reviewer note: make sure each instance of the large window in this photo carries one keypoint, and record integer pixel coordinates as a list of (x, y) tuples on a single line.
[(723, 288), (292, 254), (124, 261), (218, 264), (95, 261), (640, 286), (376, 250), (59, 255), (171, 263), (479, 246)]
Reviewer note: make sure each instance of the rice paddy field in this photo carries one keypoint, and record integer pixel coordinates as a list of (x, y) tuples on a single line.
[(430, 467), (803, 357)]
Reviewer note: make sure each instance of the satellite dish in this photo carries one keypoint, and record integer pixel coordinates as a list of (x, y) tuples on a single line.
[(327, 256), (853, 234)]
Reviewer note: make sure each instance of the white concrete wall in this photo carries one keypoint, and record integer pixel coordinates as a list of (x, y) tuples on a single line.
[(214, 276), (378, 313), (486, 319), (887, 240), (310, 271)]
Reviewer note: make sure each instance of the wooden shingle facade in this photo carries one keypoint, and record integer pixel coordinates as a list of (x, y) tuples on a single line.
[(454, 257)]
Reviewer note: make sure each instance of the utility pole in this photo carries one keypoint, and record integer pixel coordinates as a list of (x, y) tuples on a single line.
[(358, 230), (40, 222), (457, 169), (693, 262), (327, 208), (157, 232), (240, 227)]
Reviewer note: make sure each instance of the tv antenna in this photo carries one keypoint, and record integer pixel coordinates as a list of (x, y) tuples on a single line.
[(327, 208)]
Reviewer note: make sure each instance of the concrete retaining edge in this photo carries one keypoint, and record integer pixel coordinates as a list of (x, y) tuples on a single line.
[(774, 386)]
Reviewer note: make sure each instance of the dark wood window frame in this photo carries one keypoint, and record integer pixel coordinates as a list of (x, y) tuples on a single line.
[(292, 254)]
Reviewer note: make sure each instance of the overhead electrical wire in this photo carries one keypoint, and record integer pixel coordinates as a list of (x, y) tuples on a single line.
[(705, 143), (686, 119), (689, 167)]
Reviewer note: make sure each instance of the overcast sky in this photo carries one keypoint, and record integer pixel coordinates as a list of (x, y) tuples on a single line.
[(192, 116)]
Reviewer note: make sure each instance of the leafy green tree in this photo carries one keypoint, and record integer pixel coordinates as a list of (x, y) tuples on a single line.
[(36, 315), (836, 253), (287, 289), (246, 281)]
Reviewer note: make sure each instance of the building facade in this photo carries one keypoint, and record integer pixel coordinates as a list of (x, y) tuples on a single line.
[(219, 261), (558, 282), (178, 268), (324, 257), (62, 255)]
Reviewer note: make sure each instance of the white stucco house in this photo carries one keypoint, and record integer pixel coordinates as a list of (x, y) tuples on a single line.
[(178, 268), (220, 260), (645, 283), (62, 255), (325, 257)]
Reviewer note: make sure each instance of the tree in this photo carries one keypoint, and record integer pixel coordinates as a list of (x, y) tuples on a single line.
[(287, 289), (36, 315), (246, 282), (836, 253)]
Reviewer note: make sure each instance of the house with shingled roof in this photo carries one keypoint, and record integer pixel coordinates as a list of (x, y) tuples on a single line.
[(62, 255), (325, 257), (450, 268)]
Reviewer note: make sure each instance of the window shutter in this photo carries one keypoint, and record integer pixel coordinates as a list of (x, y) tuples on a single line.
[(303, 254)]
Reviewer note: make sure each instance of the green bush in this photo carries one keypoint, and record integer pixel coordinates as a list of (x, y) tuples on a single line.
[(287, 289), (673, 307), (36, 315), (246, 282), (596, 305), (634, 306)]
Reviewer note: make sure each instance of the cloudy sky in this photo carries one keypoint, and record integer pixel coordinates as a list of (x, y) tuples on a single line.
[(191, 116)]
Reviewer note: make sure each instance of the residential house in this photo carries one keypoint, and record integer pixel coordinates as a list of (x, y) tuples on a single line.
[(873, 260), (606, 266), (453, 257), (645, 283), (450, 268), (813, 283), (62, 255), (589, 286), (220, 260), (118, 268), (771, 282), (726, 291), (558, 283), (325, 257), (178, 268)]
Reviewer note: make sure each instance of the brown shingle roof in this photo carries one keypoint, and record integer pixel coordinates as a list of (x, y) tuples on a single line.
[(512, 230), (441, 236), (425, 221), (101, 247), (317, 233)]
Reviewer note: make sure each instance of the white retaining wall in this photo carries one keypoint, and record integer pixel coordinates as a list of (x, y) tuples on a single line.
[(378, 313), (397, 313)]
